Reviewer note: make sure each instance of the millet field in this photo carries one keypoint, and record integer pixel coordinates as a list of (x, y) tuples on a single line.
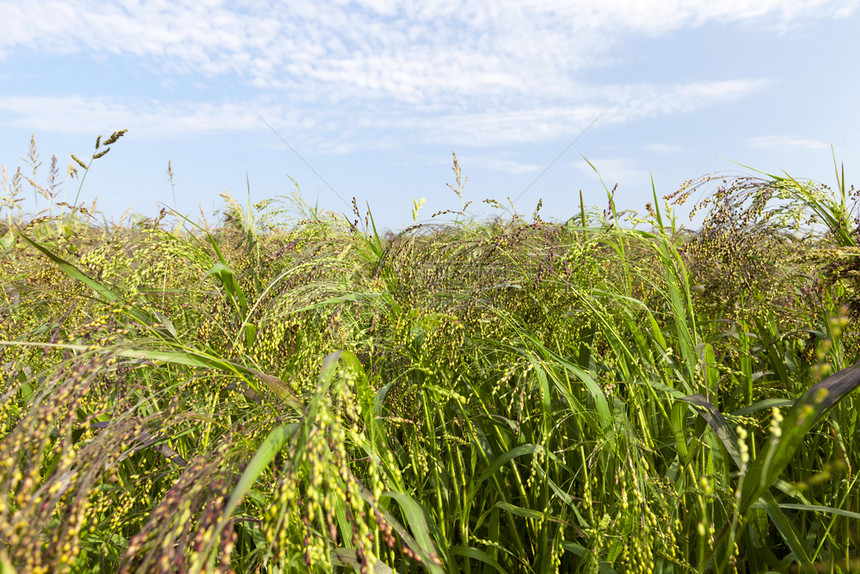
[(285, 389)]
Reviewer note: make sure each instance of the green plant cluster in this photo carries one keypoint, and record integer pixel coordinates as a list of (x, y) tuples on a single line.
[(289, 390)]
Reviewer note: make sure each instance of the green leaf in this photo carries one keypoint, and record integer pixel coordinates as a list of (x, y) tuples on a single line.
[(480, 555), (582, 551), (603, 412), (520, 511), (345, 557), (106, 293), (190, 358), (499, 461), (228, 281), (813, 508), (764, 404), (264, 455), (717, 421), (800, 418), (678, 421), (789, 532), (417, 520)]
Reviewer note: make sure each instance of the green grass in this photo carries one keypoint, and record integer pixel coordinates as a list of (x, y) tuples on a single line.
[(289, 390)]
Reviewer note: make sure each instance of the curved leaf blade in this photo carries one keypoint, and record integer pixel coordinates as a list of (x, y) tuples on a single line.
[(801, 417)]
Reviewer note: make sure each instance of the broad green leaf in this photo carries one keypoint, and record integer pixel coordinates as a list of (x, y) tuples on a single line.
[(678, 421), (764, 404), (789, 533), (227, 279)]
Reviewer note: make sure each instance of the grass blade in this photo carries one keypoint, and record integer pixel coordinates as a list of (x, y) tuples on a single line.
[(417, 520), (789, 533), (712, 415), (803, 415), (345, 557), (264, 455), (502, 459), (480, 555), (190, 358), (103, 291)]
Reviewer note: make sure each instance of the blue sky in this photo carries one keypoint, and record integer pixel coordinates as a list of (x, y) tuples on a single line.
[(376, 94)]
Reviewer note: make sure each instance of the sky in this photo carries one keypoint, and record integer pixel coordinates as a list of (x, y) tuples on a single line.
[(368, 99)]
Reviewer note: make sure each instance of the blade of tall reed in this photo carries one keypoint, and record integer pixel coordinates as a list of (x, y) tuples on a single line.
[(680, 300), (604, 414), (416, 517), (501, 460), (789, 533)]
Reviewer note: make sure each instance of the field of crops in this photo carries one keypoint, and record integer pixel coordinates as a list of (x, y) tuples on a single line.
[(290, 390)]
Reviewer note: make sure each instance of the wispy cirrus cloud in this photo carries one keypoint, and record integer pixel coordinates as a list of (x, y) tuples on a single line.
[(483, 72), (426, 52), (499, 126), (79, 114), (617, 104)]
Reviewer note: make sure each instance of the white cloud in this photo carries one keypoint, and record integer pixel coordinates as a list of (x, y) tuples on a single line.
[(465, 72), (373, 125), (642, 100), (618, 104), (776, 141), (415, 51), (79, 114)]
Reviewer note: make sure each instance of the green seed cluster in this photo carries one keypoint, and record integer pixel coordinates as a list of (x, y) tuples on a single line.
[(320, 481)]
